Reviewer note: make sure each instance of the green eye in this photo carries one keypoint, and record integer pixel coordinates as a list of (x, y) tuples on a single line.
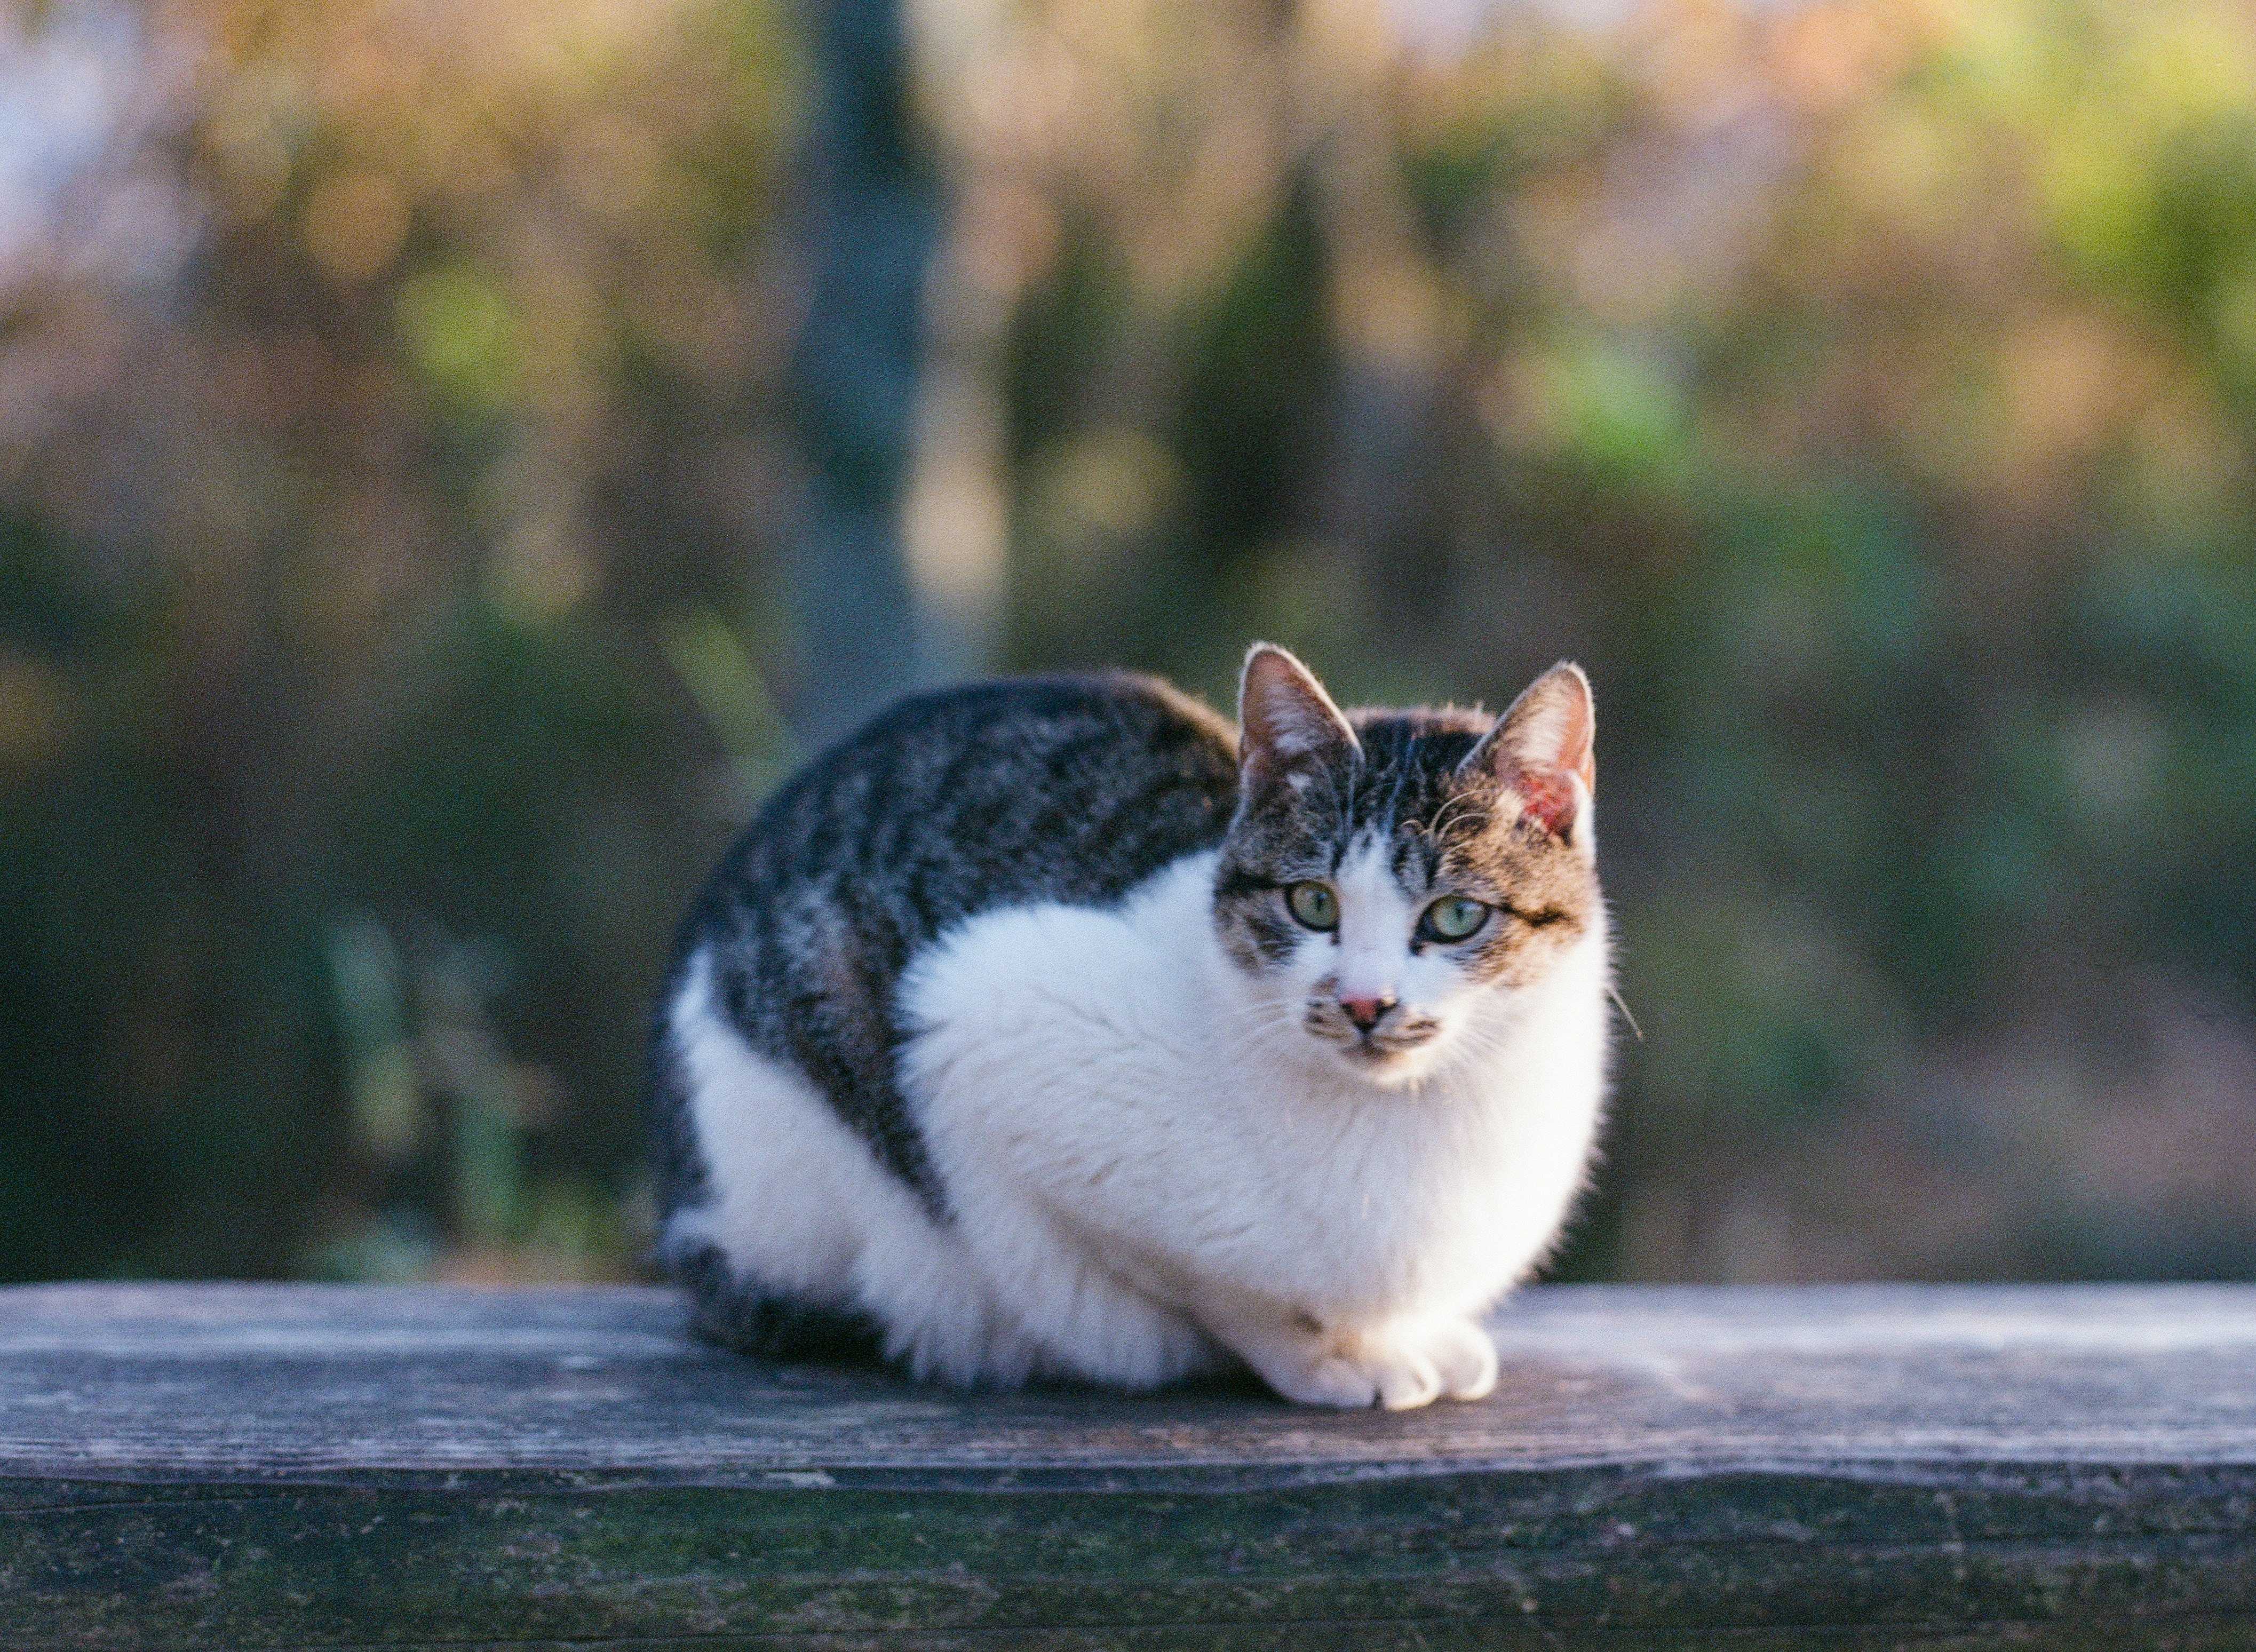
[(1315, 905), (1454, 917)]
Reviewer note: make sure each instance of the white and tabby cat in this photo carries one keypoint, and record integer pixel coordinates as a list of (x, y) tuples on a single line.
[(1045, 1027)]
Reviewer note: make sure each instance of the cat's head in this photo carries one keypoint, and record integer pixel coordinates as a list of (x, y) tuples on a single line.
[(1388, 875)]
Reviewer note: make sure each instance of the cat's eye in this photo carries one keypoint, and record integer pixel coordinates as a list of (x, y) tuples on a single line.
[(1315, 904), (1454, 917)]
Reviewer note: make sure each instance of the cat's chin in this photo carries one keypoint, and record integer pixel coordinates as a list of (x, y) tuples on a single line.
[(1385, 1068)]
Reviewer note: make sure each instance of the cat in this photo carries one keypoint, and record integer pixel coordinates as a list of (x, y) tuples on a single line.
[(1053, 1028)]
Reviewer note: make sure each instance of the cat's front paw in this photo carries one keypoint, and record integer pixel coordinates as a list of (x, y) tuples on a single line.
[(1400, 1369), (1464, 1355), (1397, 1378)]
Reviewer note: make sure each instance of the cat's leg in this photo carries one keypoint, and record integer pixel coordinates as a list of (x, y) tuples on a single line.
[(942, 1316), (1090, 1309), (1399, 1365)]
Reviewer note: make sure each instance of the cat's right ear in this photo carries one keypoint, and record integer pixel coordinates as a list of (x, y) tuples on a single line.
[(1286, 724)]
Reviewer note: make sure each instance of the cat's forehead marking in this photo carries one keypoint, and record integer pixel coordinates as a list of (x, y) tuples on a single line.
[(1366, 867), (1408, 775), (1402, 790), (1417, 858)]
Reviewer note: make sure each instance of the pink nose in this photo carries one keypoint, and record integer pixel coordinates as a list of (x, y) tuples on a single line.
[(1366, 1013)]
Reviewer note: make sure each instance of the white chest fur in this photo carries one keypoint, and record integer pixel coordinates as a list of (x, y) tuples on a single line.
[(1135, 1142)]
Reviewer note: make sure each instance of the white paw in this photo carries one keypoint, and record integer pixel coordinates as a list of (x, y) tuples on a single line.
[(1343, 1383), (1401, 1369), (1407, 1379), (1464, 1355)]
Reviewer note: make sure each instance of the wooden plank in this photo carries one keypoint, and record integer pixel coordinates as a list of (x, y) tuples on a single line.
[(301, 1466)]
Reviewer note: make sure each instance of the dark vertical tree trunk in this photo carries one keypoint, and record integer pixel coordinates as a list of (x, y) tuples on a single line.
[(874, 214)]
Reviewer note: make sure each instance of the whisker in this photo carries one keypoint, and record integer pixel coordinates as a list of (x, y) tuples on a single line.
[(1448, 817)]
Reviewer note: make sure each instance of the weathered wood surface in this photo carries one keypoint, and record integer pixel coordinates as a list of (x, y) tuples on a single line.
[(299, 1466)]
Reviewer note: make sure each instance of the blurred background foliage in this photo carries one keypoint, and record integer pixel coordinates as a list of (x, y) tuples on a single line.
[(406, 490)]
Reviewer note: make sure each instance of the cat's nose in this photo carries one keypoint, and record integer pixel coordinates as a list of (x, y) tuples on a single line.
[(1367, 1013)]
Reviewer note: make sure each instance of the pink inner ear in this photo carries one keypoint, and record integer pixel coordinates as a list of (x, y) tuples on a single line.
[(1546, 742), (1548, 796), (1577, 751), (1286, 717)]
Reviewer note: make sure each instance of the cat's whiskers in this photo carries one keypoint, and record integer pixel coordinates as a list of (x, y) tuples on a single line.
[(1281, 1044), (1475, 1043), (1268, 1019), (1464, 803)]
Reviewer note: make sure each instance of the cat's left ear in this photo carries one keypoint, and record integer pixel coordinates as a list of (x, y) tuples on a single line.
[(1543, 750)]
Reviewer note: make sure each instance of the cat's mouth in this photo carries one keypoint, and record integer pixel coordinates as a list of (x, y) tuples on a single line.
[(1398, 1029)]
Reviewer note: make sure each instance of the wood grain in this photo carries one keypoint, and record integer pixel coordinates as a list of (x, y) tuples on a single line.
[(299, 1466)]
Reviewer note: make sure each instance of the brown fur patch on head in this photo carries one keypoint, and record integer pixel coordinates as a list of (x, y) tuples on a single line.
[(1544, 891)]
